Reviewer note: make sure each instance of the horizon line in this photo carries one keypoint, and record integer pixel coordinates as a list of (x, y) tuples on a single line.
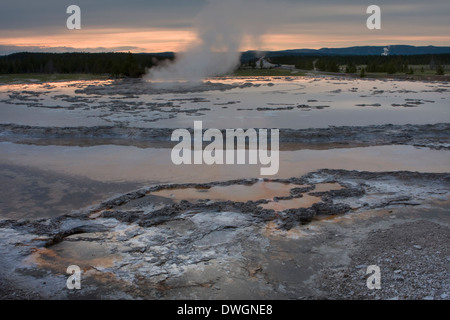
[(95, 50)]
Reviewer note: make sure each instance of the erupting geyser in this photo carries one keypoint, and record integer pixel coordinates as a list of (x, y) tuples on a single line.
[(222, 27)]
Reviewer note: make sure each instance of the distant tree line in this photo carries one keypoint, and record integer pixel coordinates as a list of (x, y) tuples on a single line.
[(385, 64), (135, 65), (114, 64)]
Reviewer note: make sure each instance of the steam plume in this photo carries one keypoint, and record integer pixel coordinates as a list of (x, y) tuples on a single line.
[(222, 27)]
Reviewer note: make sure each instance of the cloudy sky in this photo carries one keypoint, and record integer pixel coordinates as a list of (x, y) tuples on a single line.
[(170, 25)]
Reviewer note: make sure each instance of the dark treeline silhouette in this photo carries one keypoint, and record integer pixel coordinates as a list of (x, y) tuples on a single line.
[(113, 64), (372, 63), (134, 65)]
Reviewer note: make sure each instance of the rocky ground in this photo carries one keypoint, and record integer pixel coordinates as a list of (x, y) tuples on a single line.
[(149, 244), (414, 263), (140, 245), (431, 136)]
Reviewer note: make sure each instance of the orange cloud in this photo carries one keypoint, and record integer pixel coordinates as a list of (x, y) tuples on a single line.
[(159, 40), (148, 41)]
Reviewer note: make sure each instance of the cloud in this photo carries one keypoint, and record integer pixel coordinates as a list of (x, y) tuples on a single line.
[(329, 21), (45, 14)]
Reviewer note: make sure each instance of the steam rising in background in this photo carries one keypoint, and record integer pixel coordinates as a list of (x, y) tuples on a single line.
[(222, 28)]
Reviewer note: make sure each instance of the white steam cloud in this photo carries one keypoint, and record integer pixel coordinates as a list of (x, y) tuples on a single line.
[(222, 28)]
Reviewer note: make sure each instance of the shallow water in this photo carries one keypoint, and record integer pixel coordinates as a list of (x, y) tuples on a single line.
[(305, 201), (239, 193), (49, 177), (324, 101), (261, 190), (113, 163), (79, 169)]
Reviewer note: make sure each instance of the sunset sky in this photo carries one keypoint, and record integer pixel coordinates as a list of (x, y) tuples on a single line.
[(170, 25)]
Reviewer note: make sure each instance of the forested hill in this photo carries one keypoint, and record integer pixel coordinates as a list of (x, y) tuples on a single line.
[(404, 50)]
